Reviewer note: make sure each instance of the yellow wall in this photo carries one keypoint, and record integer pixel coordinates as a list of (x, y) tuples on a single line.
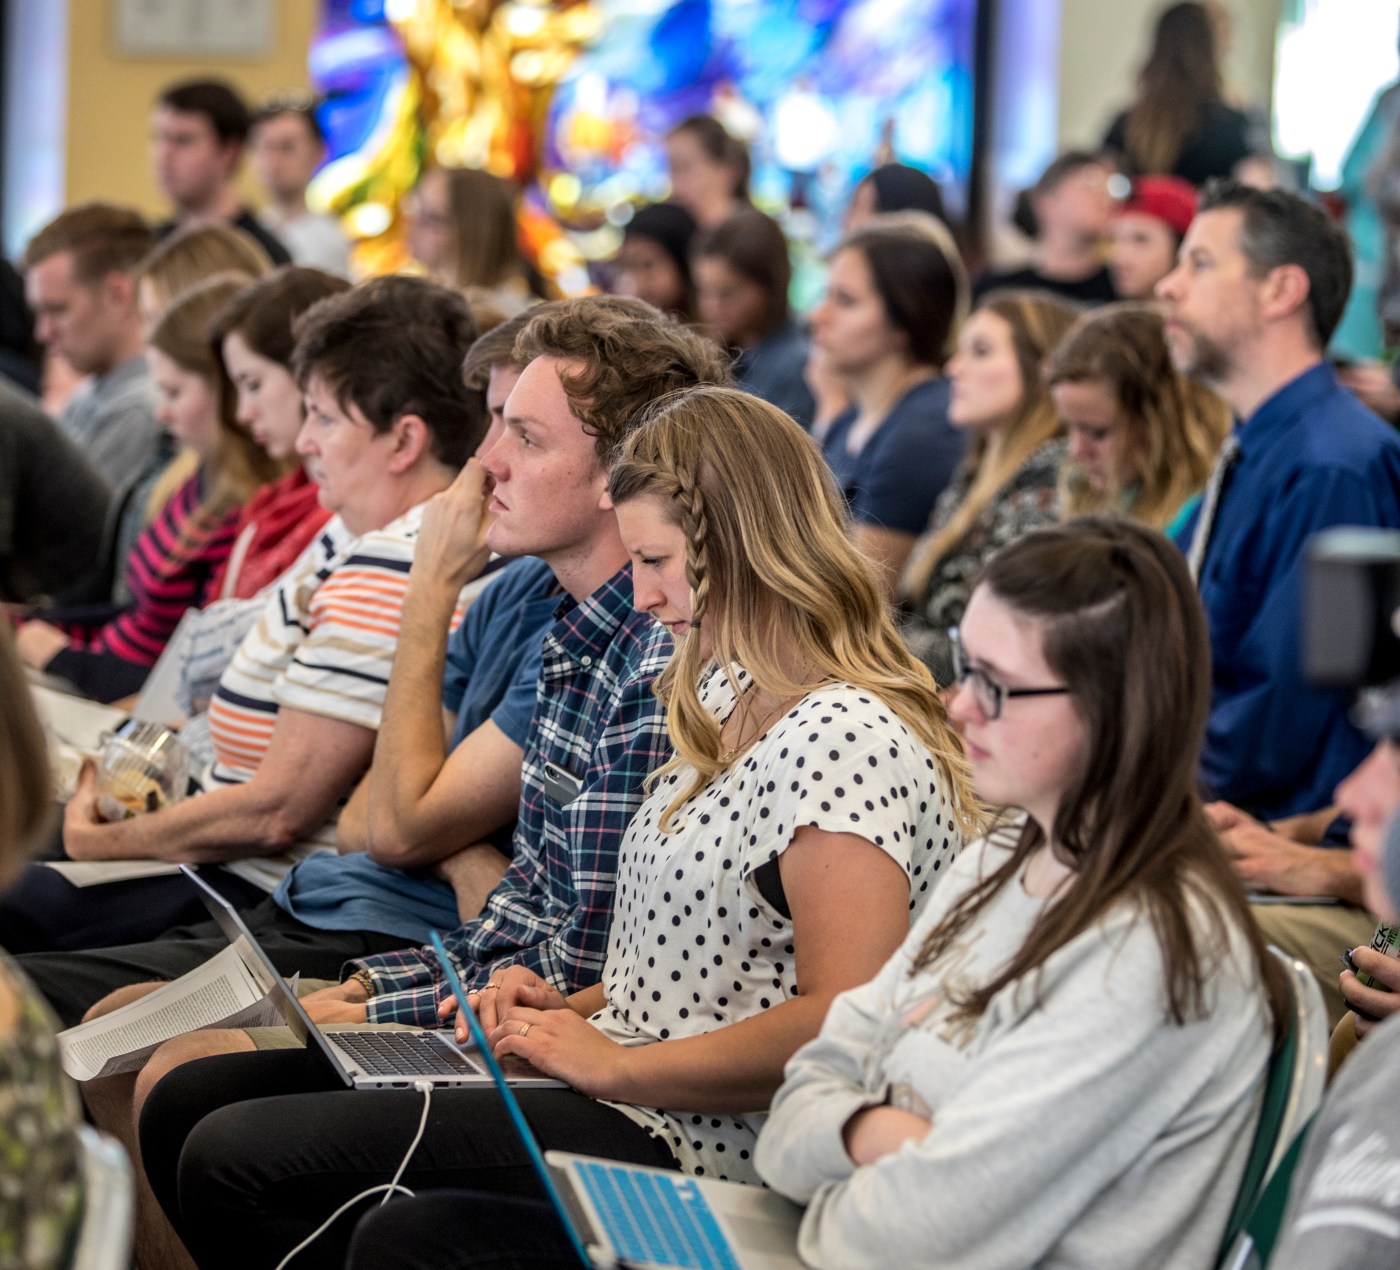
[(109, 97)]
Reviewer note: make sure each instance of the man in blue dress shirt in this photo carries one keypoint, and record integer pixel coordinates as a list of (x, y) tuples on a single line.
[(1261, 282)]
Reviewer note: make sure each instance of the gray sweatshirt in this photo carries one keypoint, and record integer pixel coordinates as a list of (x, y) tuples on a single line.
[(1085, 1131), (1344, 1204)]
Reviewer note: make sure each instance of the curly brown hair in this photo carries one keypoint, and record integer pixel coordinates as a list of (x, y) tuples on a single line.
[(625, 355)]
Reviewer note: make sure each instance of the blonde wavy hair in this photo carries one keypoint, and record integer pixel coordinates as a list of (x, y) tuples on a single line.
[(1038, 321), (1177, 424), (768, 552)]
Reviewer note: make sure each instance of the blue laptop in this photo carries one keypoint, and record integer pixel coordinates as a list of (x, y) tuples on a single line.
[(628, 1215)]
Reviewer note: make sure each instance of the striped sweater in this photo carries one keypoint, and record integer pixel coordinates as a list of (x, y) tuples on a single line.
[(167, 574), (168, 571), (324, 645)]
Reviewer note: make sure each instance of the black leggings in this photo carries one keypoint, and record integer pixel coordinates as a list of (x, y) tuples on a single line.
[(249, 1153), (461, 1230)]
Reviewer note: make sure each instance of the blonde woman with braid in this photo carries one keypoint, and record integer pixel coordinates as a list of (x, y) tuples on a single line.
[(1006, 483), (816, 798)]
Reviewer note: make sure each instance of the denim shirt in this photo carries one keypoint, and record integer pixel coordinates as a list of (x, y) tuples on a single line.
[(597, 717)]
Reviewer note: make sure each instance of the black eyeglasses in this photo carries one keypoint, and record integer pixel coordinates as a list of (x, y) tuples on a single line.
[(987, 694)]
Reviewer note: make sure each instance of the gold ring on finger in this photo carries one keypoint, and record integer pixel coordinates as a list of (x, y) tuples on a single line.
[(524, 1029)]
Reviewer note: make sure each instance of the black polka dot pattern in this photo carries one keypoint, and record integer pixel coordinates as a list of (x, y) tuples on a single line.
[(694, 945)]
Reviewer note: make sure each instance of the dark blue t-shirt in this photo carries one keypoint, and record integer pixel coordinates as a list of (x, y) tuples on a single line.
[(493, 667), (774, 371), (901, 470), (493, 657)]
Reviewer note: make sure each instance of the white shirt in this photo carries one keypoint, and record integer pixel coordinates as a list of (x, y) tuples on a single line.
[(694, 945), (312, 239)]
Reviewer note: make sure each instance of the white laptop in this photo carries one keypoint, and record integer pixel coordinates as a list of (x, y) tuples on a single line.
[(365, 1060)]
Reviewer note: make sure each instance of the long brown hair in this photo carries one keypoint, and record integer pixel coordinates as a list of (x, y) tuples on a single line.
[(1038, 320), (239, 465), (1122, 626), (485, 242), (1181, 77), (767, 544), (1177, 423)]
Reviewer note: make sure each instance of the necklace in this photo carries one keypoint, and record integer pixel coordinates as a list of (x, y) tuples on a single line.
[(765, 721)]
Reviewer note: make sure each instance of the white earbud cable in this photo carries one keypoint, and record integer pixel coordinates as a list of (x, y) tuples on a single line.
[(425, 1088)]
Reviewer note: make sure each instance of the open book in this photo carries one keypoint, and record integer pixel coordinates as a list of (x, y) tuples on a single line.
[(226, 991)]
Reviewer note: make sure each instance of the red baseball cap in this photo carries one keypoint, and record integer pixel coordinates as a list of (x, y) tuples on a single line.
[(1168, 198)]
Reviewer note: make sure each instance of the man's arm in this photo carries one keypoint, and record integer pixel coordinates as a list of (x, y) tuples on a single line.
[(310, 762), (352, 827), (1267, 859), (565, 948), (475, 792), (412, 819)]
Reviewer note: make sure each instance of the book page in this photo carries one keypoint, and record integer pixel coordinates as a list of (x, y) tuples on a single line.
[(220, 993), (95, 872)]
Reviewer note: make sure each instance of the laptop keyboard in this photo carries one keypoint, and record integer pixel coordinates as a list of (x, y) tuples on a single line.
[(657, 1219), (403, 1054)]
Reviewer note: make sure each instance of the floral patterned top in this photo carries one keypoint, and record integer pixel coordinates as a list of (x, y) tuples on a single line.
[(41, 1190), (1027, 501)]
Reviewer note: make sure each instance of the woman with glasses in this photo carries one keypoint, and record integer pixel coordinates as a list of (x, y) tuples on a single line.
[(1065, 1062), (816, 799), (462, 230)]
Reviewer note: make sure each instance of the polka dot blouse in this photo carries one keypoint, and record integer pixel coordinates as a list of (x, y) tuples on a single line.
[(694, 945)]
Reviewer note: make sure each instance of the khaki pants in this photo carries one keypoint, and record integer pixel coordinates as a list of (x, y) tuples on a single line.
[(1317, 934)]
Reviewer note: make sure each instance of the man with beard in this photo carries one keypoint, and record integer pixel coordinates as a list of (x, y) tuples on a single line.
[(1261, 282)]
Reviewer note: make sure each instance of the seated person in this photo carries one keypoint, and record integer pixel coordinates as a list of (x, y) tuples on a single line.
[(43, 1205), (883, 327), (53, 504), (1142, 436), (198, 131), (1066, 215), (1007, 481), (816, 797), (389, 423), (175, 266), (1064, 1063), (1262, 282), (653, 263), (1146, 234), (595, 715), (254, 341), (417, 806), (1370, 796), (1343, 1208), (79, 280), (742, 273), (1133, 1018), (189, 257), (893, 187), (1302, 856), (173, 562)]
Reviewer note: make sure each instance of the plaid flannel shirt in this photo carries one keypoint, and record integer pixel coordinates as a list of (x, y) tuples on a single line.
[(597, 717)]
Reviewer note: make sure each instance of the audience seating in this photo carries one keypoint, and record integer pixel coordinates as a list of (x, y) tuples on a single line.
[(109, 1204), (1292, 1095)]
